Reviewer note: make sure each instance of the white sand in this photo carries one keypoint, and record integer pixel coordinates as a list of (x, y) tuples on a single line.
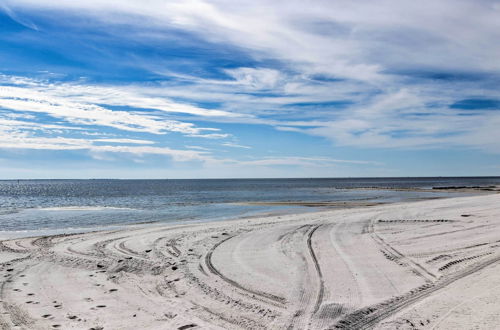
[(423, 265)]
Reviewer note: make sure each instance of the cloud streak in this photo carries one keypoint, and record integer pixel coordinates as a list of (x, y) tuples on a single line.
[(83, 108)]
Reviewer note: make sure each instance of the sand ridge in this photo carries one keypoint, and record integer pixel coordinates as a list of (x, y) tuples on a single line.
[(401, 266)]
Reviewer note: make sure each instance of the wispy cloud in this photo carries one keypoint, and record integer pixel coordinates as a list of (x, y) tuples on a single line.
[(79, 105), (13, 16), (124, 141), (17, 138), (346, 39), (235, 145), (301, 161)]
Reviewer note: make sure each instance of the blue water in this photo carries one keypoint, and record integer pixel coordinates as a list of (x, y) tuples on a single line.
[(30, 205)]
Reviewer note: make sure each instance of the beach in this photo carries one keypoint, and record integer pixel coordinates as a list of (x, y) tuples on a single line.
[(431, 264)]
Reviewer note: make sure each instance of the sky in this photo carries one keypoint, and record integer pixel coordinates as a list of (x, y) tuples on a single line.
[(216, 89)]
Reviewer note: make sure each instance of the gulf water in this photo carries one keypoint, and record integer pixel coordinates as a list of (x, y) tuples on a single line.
[(31, 206)]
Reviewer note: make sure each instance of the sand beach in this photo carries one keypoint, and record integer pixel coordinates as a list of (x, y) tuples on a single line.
[(423, 265)]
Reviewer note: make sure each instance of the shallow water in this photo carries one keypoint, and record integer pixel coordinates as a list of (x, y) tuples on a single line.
[(41, 205)]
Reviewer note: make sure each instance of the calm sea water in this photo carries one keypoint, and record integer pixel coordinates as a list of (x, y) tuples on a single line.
[(42, 205)]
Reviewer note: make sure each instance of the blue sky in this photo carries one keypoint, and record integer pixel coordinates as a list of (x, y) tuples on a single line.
[(207, 89)]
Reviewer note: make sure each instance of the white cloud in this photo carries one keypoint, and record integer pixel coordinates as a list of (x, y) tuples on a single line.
[(11, 138), (355, 40), (24, 22), (256, 79), (131, 96), (78, 110), (235, 145), (304, 161), (124, 141), (16, 139), (197, 148)]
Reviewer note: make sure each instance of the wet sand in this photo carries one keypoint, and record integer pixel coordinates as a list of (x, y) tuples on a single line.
[(422, 265), (343, 204)]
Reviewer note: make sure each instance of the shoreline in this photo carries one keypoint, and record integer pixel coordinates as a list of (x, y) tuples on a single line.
[(293, 209), (390, 263)]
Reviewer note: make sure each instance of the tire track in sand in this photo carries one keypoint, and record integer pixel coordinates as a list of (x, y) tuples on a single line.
[(270, 298), (311, 299), (321, 289), (368, 317), (314, 288), (416, 267)]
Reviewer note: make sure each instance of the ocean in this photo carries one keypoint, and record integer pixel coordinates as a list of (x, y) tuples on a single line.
[(32, 207)]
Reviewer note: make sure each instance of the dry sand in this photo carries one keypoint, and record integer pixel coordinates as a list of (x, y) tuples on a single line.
[(423, 265)]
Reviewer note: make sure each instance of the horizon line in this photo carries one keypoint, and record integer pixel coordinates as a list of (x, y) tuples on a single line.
[(262, 178)]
